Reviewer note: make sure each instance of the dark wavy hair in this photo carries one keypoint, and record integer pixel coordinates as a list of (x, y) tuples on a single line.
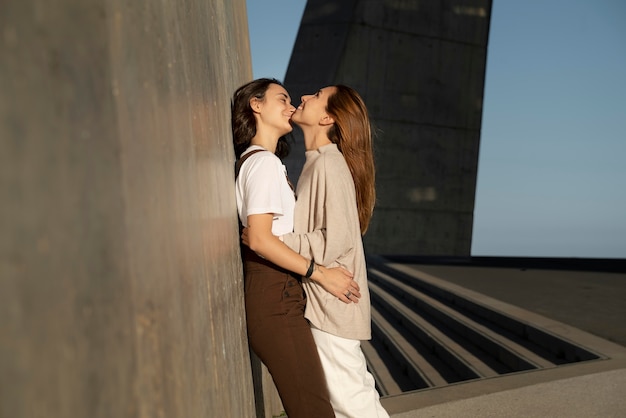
[(242, 116), (353, 136)]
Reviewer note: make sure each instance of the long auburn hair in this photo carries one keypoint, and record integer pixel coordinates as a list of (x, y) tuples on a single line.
[(353, 135), (242, 117)]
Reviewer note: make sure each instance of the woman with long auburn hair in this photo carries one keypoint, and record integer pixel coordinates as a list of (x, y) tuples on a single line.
[(353, 135), (274, 297), (336, 197)]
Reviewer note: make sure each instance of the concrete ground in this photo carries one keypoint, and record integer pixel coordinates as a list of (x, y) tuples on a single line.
[(588, 307), (594, 395)]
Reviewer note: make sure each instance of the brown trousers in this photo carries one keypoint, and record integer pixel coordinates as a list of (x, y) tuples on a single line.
[(281, 337)]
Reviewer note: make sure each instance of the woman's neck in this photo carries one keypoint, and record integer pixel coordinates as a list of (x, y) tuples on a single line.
[(313, 141), (266, 141)]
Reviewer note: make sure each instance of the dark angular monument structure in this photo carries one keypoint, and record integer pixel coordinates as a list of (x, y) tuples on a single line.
[(420, 66)]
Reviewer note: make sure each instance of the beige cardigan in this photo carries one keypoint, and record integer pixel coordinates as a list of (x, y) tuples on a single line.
[(326, 228)]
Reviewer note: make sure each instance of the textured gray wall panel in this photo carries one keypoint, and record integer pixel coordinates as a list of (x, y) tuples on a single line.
[(440, 182), (120, 277)]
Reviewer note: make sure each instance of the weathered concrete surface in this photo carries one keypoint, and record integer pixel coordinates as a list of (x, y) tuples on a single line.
[(420, 67), (120, 277)]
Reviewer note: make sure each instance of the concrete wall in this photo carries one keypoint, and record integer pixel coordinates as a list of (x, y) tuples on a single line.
[(120, 278), (420, 66)]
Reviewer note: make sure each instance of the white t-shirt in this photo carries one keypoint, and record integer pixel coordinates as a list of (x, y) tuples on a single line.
[(262, 187)]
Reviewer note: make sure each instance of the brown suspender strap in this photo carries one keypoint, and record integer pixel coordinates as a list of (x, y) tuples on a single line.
[(240, 161), (244, 158)]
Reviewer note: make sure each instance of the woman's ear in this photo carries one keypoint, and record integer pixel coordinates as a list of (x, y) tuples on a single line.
[(255, 105), (327, 120)]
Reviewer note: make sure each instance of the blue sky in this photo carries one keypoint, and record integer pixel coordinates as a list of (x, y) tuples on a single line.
[(552, 164)]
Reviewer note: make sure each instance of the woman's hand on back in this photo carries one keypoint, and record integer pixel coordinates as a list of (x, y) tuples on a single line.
[(244, 237), (338, 282)]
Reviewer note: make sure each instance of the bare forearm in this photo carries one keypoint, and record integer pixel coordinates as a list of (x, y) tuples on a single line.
[(274, 250)]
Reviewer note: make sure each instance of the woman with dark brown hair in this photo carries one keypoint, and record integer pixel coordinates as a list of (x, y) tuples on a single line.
[(274, 298), (336, 197)]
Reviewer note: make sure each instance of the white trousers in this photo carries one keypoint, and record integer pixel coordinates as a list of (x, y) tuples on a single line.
[(351, 386)]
